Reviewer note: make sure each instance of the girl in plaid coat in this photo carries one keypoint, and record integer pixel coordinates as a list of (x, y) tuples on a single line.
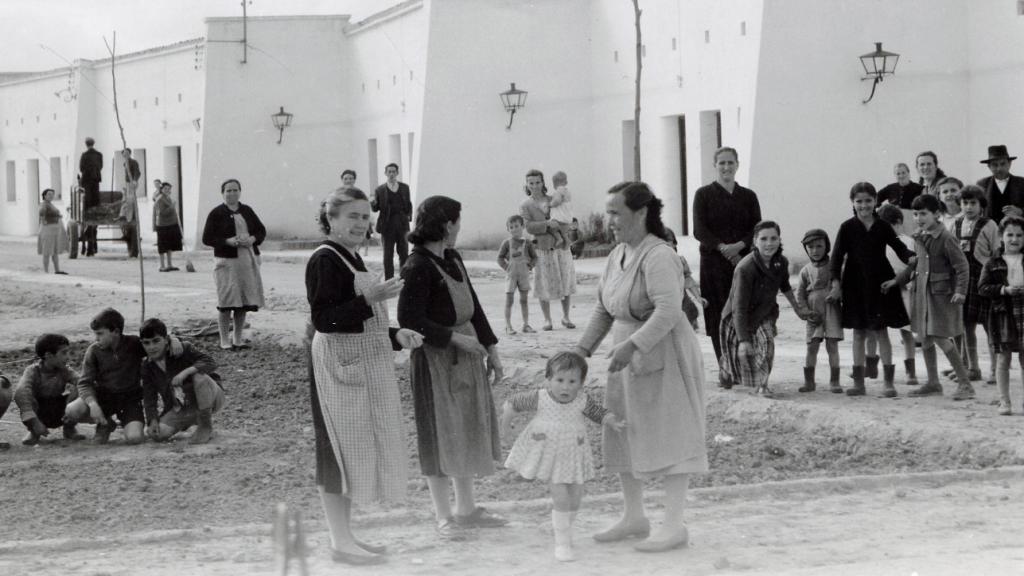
[(1002, 281)]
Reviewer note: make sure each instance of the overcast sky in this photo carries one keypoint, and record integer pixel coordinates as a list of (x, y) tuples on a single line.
[(34, 30)]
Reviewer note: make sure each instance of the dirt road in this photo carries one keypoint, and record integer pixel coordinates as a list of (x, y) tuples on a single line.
[(939, 523)]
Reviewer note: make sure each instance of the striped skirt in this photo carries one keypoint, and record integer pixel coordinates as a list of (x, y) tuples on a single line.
[(753, 370)]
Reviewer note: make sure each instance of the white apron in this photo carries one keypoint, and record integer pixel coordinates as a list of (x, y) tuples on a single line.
[(358, 392)]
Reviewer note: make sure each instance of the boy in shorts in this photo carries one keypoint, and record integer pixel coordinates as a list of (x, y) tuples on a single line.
[(186, 385), (517, 257), (47, 394), (111, 378)]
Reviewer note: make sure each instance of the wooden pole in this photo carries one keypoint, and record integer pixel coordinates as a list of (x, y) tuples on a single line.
[(636, 109), (124, 166)]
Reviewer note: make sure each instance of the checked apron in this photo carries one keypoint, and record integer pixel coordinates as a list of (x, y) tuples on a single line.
[(358, 391), (467, 422)]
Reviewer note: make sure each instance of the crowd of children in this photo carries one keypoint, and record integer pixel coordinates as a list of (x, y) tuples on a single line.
[(151, 385)]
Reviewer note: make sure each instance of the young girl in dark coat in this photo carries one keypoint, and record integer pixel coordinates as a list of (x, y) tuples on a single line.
[(859, 267), (1002, 281)]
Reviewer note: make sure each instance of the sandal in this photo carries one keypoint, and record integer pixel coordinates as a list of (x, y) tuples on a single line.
[(764, 391), (61, 272), (527, 329), (568, 324), (480, 518), (510, 331), (450, 531), (547, 327)]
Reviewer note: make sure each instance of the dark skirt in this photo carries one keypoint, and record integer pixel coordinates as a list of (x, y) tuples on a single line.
[(168, 239), (328, 473)]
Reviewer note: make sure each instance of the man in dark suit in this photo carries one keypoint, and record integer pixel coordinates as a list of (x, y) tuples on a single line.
[(90, 174), (1005, 191), (394, 202)]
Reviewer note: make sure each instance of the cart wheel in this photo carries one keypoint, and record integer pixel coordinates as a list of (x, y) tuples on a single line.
[(73, 240)]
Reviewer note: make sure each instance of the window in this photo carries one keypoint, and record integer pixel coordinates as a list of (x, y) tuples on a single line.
[(55, 179), (135, 104), (410, 74), (364, 87), (707, 36), (179, 96), (54, 115), (12, 193), (743, 28), (615, 56), (673, 44), (1020, 7), (394, 79), (156, 101)]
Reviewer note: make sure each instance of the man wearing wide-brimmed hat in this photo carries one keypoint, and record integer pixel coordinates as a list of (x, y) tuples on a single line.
[(1005, 191)]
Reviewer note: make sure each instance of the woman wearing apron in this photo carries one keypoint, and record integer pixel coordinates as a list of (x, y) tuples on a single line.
[(360, 444), (656, 376), (456, 422)]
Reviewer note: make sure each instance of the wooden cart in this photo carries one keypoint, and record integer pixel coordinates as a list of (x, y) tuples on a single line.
[(104, 216)]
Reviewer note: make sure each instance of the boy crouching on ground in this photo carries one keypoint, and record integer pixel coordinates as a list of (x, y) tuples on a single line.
[(47, 394), (6, 396), (186, 384), (111, 378)]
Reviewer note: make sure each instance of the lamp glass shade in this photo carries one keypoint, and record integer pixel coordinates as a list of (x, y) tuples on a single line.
[(282, 119), (513, 98), (880, 62)]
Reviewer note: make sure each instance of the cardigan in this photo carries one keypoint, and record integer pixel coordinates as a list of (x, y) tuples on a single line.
[(721, 217), (220, 225), (425, 304), (39, 382), (755, 286), (331, 291), (164, 213)]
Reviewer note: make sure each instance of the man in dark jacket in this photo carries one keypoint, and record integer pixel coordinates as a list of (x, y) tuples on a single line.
[(393, 200), (90, 174), (1005, 191)]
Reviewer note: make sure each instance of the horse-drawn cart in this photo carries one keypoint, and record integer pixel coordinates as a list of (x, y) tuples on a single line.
[(108, 214)]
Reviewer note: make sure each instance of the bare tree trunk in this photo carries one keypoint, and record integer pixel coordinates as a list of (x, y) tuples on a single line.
[(124, 166), (636, 109)]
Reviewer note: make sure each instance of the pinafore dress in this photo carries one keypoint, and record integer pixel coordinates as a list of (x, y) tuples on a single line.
[(553, 447), (466, 421), (359, 399)]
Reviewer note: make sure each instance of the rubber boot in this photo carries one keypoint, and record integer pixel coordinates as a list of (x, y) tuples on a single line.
[(808, 380), (562, 524), (204, 431), (889, 389), (858, 382), (871, 366), (833, 381), (102, 435), (964, 390), (910, 366)]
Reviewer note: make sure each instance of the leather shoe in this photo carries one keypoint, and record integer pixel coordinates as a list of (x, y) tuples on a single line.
[(620, 532), (480, 518), (678, 541), (357, 559)]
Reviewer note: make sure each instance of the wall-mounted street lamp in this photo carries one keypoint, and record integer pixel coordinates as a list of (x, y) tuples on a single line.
[(281, 120), (197, 124), (878, 65), (513, 99)]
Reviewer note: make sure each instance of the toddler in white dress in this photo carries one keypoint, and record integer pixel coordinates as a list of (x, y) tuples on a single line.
[(553, 447)]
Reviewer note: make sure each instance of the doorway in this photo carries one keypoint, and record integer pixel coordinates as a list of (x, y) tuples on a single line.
[(684, 192)]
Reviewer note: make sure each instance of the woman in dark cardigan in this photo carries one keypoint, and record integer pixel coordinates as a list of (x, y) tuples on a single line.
[(356, 408), (724, 216), (456, 422), (235, 233)]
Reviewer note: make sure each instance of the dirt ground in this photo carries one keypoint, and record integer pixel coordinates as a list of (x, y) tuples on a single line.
[(802, 484)]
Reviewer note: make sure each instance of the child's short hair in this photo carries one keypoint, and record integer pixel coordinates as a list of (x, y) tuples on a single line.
[(890, 214), (974, 192), (108, 318), (153, 328), (1011, 221), (559, 179), (926, 202), (765, 225), (513, 219), (566, 361), (50, 344), (949, 180)]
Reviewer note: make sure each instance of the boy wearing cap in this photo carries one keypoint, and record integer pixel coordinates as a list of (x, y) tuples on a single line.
[(826, 324), (1004, 191)]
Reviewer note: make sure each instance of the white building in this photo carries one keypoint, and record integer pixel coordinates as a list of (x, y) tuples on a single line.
[(418, 84)]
